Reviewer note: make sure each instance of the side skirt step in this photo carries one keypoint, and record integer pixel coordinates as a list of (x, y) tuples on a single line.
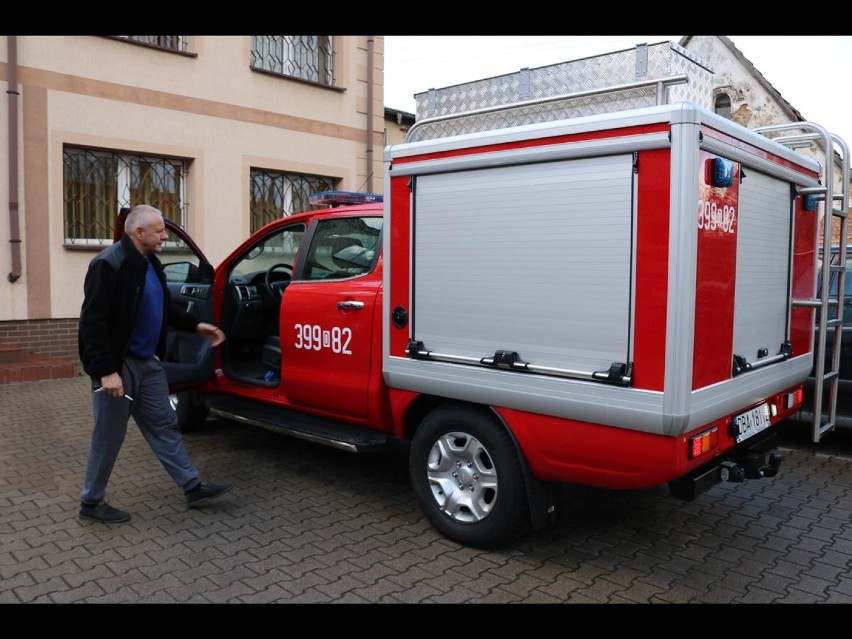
[(311, 428)]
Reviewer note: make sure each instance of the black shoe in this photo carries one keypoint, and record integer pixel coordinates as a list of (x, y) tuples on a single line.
[(203, 493), (103, 512)]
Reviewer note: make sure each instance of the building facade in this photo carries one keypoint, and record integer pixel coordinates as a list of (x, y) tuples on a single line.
[(397, 124), (222, 133)]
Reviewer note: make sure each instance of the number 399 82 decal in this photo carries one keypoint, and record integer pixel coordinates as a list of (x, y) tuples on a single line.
[(314, 337), (713, 217)]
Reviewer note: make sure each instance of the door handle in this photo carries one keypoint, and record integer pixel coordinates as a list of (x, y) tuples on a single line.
[(350, 305)]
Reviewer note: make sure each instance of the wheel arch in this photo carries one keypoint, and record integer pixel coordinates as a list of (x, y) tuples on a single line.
[(541, 496)]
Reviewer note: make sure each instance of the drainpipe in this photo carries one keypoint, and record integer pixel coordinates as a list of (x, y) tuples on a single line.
[(370, 54), (12, 92)]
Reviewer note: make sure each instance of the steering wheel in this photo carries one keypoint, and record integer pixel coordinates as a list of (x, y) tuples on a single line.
[(270, 285)]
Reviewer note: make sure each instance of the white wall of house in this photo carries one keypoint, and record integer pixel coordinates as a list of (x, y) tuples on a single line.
[(736, 79)]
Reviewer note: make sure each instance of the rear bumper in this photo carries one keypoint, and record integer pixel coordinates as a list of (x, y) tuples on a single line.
[(755, 460)]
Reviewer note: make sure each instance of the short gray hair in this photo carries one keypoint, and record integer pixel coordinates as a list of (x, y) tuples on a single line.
[(140, 216)]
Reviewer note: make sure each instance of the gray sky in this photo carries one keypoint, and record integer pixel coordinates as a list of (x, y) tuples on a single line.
[(811, 72)]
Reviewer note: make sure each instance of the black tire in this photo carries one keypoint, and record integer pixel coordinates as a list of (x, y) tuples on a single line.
[(468, 478), (190, 409)]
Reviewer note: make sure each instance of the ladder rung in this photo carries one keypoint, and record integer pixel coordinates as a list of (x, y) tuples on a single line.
[(825, 428), (830, 376), (812, 302), (837, 268), (833, 323), (838, 212)]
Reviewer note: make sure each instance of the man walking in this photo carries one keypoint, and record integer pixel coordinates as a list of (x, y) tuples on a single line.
[(122, 331)]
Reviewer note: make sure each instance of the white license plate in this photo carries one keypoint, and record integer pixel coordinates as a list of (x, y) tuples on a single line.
[(751, 422)]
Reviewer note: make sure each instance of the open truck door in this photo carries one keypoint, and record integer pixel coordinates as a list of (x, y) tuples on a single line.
[(189, 359)]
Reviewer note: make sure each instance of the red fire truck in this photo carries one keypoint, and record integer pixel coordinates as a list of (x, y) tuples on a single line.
[(623, 301)]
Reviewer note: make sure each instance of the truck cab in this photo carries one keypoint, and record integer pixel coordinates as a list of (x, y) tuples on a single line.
[(296, 300)]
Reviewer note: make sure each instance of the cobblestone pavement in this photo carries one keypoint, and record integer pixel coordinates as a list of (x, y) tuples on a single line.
[(310, 524)]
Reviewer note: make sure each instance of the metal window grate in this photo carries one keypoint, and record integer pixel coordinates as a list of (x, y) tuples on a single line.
[(275, 194), (97, 184), (305, 57), (170, 42)]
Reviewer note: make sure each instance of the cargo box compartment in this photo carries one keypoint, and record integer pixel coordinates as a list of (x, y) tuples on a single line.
[(601, 270)]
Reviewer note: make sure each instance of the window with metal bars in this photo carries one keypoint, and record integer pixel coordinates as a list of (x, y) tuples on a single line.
[(96, 184), (275, 194), (304, 57), (171, 42)]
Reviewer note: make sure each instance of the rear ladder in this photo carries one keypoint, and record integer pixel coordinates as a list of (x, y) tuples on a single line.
[(826, 379)]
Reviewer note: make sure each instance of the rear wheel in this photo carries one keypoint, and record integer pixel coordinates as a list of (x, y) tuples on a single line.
[(190, 409), (467, 476)]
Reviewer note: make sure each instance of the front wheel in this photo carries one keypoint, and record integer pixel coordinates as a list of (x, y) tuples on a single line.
[(467, 475), (190, 409)]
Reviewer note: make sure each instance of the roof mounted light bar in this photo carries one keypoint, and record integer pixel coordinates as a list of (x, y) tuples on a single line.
[(332, 199)]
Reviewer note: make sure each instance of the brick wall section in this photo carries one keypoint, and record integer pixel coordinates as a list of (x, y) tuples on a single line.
[(53, 337)]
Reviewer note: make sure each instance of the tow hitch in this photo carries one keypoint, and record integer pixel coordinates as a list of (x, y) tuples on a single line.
[(750, 467), (757, 461)]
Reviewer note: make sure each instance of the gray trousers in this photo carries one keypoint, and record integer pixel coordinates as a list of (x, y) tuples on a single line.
[(145, 381)]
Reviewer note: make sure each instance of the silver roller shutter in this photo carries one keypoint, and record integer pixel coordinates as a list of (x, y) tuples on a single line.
[(763, 262), (533, 258)]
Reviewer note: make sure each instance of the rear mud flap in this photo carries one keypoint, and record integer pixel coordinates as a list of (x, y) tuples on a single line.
[(755, 460)]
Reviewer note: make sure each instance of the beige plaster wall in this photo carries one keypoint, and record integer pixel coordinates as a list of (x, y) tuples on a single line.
[(209, 109)]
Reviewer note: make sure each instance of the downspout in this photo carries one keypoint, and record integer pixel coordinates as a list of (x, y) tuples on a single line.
[(12, 92), (370, 54)]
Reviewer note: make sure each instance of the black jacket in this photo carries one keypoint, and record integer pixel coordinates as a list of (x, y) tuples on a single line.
[(111, 295)]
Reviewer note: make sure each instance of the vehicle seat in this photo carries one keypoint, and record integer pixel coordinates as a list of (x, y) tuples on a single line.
[(342, 257)]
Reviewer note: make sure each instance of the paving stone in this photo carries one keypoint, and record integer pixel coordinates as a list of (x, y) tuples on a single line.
[(308, 524)]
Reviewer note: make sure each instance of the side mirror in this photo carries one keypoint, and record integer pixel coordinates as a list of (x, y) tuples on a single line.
[(178, 271)]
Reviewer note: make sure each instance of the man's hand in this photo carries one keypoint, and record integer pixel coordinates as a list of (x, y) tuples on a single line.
[(112, 385), (212, 333)]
